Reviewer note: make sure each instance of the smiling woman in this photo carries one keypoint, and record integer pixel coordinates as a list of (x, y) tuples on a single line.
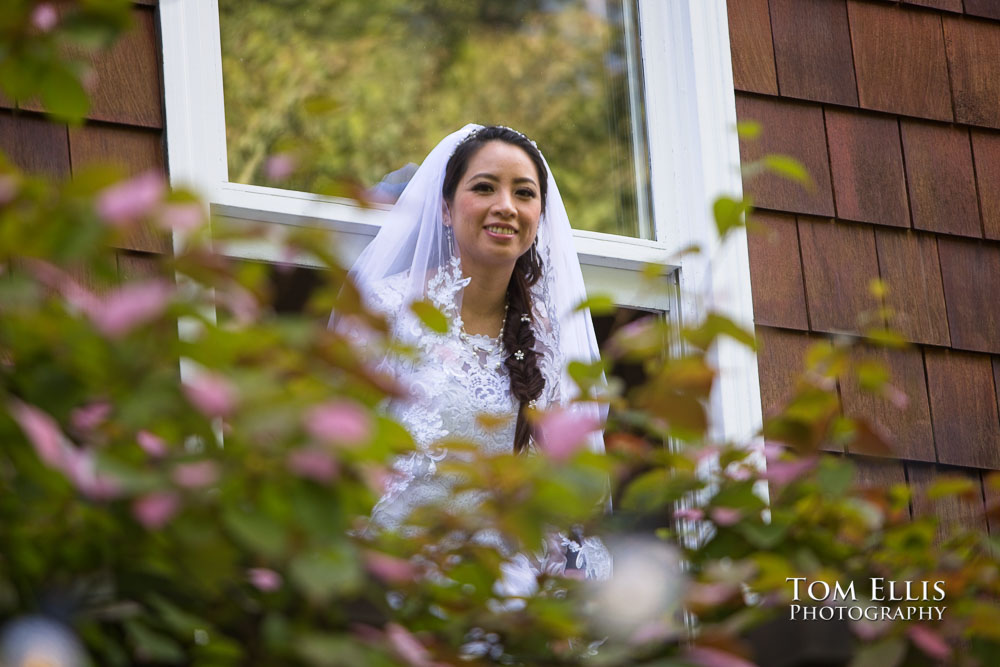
[(481, 233)]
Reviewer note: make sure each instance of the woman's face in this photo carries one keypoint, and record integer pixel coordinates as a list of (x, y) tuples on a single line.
[(496, 207)]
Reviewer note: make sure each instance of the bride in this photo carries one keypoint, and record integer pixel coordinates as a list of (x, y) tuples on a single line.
[(481, 233)]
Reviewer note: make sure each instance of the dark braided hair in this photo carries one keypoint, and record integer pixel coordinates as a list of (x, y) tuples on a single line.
[(526, 381)]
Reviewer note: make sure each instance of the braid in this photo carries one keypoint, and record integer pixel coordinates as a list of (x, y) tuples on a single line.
[(526, 381)]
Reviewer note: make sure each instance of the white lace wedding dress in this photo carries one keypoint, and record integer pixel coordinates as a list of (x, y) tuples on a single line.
[(453, 379)]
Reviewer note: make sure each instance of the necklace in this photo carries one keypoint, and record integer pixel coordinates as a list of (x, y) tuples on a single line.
[(496, 344)]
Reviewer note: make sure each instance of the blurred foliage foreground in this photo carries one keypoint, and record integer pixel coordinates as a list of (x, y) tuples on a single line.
[(201, 498)]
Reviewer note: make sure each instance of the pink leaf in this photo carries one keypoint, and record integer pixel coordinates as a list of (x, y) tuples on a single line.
[(313, 464), (690, 514), (563, 432), (152, 444), (782, 473), (154, 510), (930, 642), (81, 468), (211, 394), (182, 217), (130, 306), (90, 416), (124, 203), (42, 432), (264, 579), (389, 568), (725, 516), (195, 475), (44, 17), (340, 423), (407, 646), (279, 167), (713, 657)]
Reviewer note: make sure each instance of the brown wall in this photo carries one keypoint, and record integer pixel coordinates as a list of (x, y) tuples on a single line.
[(124, 126), (894, 107)]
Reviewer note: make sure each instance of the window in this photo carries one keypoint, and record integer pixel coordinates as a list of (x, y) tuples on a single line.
[(367, 87), (656, 71)]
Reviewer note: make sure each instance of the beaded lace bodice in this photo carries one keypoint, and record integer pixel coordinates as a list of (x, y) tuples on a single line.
[(453, 379)]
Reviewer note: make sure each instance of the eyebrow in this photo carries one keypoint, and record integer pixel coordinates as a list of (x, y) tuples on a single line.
[(523, 179)]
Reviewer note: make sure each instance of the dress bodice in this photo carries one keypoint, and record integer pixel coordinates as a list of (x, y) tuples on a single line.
[(453, 381)]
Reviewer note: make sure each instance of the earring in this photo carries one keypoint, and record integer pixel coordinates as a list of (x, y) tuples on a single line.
[(451, 240)]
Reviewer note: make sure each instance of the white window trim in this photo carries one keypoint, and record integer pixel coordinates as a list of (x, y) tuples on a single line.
[(694, 155)]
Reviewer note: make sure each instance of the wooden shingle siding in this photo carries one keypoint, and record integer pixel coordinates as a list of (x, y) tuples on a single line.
[(779, 298), (134, 150), (875, 473), (951, 511), (986, 150), (899, 59), (912, 168), (812, 50), (125, 126), (866, 162), (963, 408), (34, 144), (129, 89), (909, 429), (751, 46), (986, 8), (794, 129), (839, 261), (940, 178), (780, 360), (908, 263), (947, 5), (970, 272), (973, 57)]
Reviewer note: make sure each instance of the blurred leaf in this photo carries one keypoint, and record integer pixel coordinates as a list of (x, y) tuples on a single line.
[(257, 532), (748, 129), (729, 214), (789, 167), (152, 646), (599, 304), (716, 325), (834, 477), (946, 486), (886, 338), (886, 653), (432, 318), (322, 574), (64, 96)]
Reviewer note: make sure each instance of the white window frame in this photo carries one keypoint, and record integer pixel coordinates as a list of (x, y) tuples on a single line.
[(694, 155)]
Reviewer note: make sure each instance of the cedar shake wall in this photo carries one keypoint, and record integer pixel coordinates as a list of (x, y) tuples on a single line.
[(894, 107), (124, 127)]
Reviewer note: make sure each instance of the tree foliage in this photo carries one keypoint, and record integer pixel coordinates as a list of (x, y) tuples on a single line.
[(358, 89)]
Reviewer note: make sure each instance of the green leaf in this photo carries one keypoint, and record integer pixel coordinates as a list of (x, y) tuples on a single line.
[(323, 574), (834, 477), (886, 653), (63, 95), (748, 129), (789, 167), (886, 338), (432, 318), (331, 651), (729, 214), (315, 105), (599, 304), (947, 486), (257, 532), (152, 646), (763, 535), (716, 325)]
